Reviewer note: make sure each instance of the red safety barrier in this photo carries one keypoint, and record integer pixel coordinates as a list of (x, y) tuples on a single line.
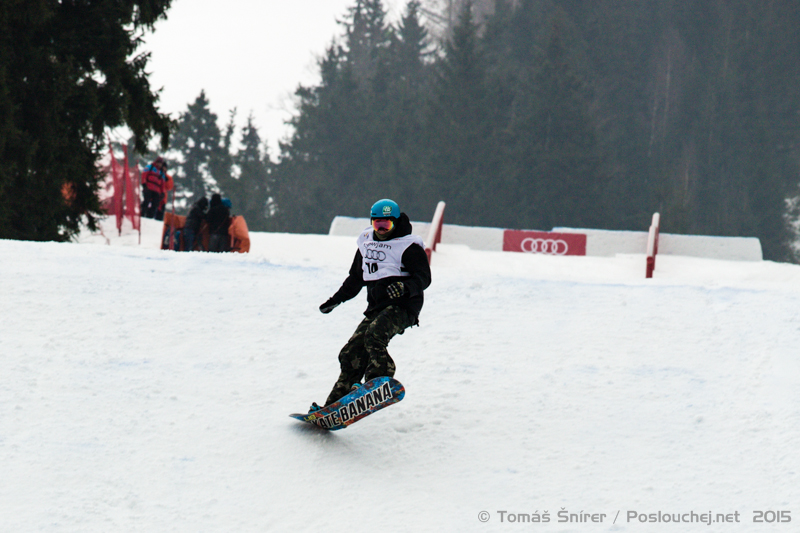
[(118, 181), (124, 203), (435, 231), (652, 245), (132, 188), (544, 242)]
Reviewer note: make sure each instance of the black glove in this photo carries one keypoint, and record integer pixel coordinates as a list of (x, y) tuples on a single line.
[(396, 290), (328, 306)]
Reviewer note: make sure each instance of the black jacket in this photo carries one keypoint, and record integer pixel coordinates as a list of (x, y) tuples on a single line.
[(218, 218), (415, 262), (196, 215)]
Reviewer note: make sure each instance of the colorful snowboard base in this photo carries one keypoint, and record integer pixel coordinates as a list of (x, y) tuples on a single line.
[(373, 396)]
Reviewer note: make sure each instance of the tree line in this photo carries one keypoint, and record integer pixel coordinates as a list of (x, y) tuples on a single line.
[(69, 72), (543, 113), (578, 113), (207, 159)]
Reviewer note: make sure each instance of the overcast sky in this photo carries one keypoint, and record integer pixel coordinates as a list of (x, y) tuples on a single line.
[(248, 54)]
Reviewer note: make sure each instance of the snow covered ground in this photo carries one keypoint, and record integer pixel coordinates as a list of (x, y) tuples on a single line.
[(148, 391)]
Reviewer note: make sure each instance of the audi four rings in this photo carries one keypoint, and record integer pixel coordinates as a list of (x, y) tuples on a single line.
[(544, 246), (377, 255)]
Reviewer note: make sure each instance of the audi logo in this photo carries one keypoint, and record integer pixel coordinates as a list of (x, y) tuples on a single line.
[(376, 255), (544, 246)]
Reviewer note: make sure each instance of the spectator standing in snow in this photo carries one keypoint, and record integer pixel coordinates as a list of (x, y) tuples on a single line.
[(154, 177), (169, 183), (392, 264)]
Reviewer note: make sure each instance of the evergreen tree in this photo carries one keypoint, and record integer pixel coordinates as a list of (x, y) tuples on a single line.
[(554, 144), (575, 112), (249, 189), (199, 141), (221, 161), (733, 124), (367, 36), (411, 47), (327, 168), (461, 159), (620, 36), (398, 112), (513, 57), (301, 183), (67, 74)]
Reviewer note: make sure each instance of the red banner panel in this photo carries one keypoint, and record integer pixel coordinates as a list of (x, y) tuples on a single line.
[(544, 242)]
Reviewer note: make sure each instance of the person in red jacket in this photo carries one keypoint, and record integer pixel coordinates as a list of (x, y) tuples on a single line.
[(154, 178), (169, 184)]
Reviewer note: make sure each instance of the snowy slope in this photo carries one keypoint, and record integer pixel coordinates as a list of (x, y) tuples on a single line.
[(149, 391)]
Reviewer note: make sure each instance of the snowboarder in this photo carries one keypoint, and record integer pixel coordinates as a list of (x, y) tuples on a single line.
[(392, 264)]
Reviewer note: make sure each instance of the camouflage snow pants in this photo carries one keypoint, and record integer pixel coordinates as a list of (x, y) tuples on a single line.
[(365, 354)]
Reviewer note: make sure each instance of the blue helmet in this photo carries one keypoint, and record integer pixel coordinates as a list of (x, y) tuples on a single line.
[(385, 209)]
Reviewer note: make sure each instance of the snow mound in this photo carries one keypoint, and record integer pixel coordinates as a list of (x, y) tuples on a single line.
[(146, 390)]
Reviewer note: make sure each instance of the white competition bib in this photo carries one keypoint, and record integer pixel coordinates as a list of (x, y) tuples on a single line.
[(384, 259)]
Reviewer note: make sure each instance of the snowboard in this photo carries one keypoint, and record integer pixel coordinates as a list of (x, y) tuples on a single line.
[(373, 396)]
